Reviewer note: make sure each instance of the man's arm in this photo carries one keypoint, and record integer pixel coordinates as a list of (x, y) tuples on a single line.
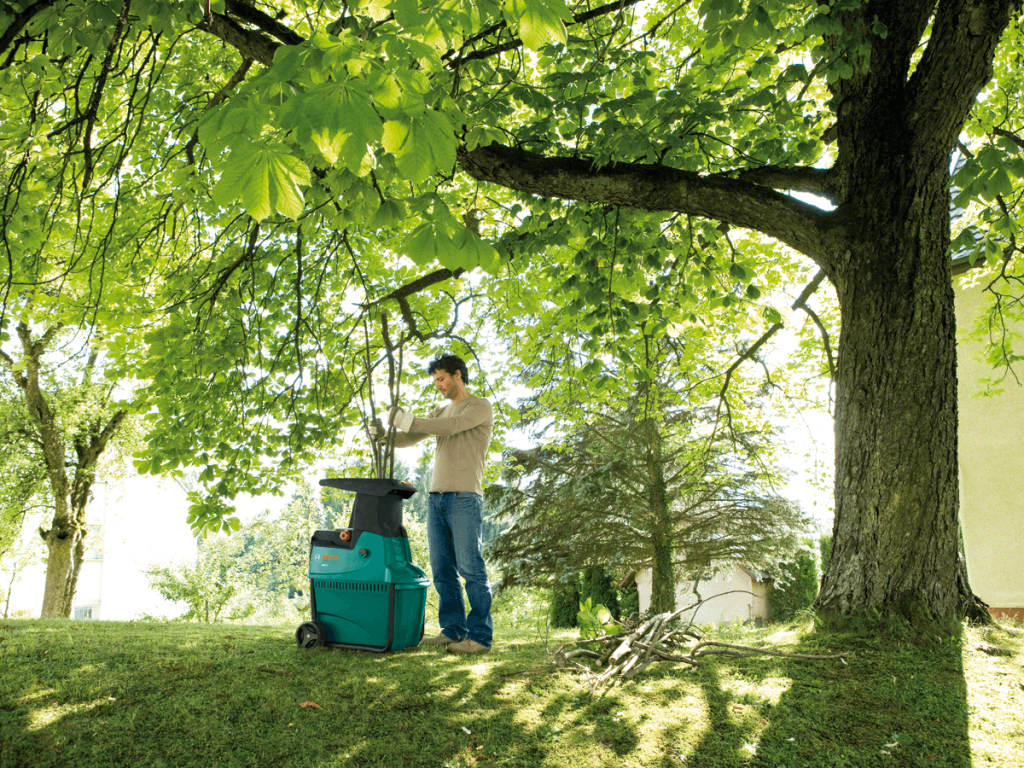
[(476, 413), (413, 436), (405, 439)]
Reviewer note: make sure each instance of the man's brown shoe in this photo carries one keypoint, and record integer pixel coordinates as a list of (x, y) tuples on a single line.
[(468, 647), (442, 639)]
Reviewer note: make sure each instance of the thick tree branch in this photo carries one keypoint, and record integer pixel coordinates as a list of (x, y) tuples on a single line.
[(251, 44), (824, 339), (89, 453), (19, 376), (422, 283), (655, 188), (253, 15), (19, 22), (955, 66), (1007, 135), (816, 181)]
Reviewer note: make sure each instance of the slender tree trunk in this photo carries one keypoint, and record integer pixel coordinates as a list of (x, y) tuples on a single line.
[(663, 587), (896, 542), (65, 538), (64, 544), (663, 575)]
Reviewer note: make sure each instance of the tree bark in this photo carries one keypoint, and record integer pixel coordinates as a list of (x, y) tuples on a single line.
[(896, 541), (663, 572), (65, 546), (663, 592)]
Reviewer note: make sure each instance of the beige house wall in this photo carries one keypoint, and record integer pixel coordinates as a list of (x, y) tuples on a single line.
[(738, 596), (991, 442)]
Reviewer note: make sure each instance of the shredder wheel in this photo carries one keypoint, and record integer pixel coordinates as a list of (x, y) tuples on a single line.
[(310, 634)]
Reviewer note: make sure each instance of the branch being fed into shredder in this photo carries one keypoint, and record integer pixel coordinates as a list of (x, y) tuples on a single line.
[(382, 438)]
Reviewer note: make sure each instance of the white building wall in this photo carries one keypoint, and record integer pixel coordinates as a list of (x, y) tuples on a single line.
[(731, 589), (991, 442), (135, 524)]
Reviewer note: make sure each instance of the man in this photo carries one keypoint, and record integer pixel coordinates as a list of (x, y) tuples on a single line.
[(463, 427)]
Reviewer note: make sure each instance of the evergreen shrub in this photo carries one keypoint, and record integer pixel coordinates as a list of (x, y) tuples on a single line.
[(565, 603)]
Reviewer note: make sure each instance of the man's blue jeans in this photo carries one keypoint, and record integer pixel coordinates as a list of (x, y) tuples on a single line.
[(454, 535)]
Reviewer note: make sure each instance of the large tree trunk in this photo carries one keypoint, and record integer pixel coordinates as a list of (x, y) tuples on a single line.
[(65, 544), (896, 540), (896, 536)]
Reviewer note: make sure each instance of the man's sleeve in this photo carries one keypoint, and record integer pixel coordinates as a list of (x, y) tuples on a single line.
[(405, 439), (413, 436), (478, 412)]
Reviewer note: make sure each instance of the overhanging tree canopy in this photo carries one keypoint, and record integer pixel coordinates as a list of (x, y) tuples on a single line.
[(352, 133)]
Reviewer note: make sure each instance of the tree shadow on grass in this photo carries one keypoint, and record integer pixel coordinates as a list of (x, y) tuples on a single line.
[(895, 702), (177, 695)]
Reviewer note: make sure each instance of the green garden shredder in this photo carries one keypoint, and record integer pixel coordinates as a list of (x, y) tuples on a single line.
[(365, 591)]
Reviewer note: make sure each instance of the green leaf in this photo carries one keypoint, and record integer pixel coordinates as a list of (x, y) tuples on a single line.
[(390, 213), (473, 251), (265, 178), (481, 136), (100, 14), (1000, 183), (407, 13), (400, 90), (421, 145), (338, 120), (539, 21), (421, 245)]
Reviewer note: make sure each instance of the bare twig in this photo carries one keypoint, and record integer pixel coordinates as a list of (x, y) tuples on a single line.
[(628, 654), (748, 650)]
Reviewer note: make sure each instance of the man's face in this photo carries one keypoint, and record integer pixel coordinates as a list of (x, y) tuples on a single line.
[(445, 383)]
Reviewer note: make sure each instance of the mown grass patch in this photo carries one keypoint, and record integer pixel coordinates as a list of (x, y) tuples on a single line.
[(119, 694)]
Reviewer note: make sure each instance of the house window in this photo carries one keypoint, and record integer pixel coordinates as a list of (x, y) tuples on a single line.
[(85, 612)]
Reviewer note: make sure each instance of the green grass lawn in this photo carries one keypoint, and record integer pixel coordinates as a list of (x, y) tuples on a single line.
[(133, 694)]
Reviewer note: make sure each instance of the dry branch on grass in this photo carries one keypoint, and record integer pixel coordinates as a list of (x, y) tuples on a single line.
[(660, 638)]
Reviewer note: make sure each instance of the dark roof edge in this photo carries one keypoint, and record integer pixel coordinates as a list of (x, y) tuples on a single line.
[(962, 264)]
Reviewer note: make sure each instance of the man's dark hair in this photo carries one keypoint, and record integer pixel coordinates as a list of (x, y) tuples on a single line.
[(450, 364)]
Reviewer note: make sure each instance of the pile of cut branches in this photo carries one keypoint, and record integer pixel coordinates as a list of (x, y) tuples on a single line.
[(624, 655)]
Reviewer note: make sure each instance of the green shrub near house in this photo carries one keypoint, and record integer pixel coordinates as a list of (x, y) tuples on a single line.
[(629, 601), (565, 603), (796, 587), (597, 585)]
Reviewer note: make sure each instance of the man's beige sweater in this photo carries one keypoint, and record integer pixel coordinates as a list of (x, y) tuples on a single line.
[(463, 430)]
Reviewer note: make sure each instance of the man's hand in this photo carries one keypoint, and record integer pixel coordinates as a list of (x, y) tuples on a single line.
[(400, 418), (376, 431)]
